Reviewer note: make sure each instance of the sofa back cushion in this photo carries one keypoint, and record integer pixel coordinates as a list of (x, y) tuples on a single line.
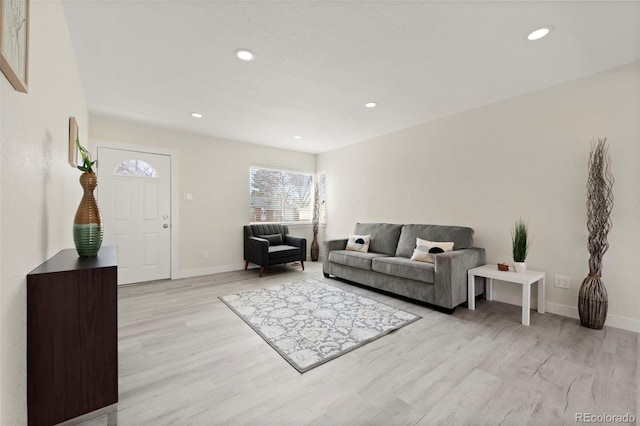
[(262, 229), (384, 236), (461, 236)]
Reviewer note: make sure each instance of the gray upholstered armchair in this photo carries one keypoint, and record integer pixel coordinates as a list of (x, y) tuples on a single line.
[(271, 244)]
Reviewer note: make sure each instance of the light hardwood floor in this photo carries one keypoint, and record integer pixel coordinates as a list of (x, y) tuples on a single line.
[(186, 359)]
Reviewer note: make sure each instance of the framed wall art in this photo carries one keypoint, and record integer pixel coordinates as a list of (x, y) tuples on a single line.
[(14, 42), (73, 135)]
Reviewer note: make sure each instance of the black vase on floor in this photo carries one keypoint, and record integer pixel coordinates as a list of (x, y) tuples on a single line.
[(593, 302), (315, 248)]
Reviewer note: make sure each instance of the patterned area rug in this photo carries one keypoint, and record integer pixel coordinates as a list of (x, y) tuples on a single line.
[(311, 322)]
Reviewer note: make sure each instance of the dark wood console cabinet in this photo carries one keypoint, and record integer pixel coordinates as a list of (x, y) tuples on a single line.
[(72, 336)]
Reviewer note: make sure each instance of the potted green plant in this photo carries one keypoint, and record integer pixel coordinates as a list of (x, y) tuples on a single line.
[(520, 243), (87, 164)]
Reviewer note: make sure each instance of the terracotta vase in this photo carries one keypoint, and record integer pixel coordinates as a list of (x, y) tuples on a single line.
[(87, 225)]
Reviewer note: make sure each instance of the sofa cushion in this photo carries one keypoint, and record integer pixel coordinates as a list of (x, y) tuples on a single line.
[(283, 250), (462, 237), (274, 239), (404, 268), (384, 236), (354, 259)]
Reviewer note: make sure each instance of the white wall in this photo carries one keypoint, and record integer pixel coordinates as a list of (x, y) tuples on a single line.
[(40, 191), (486, 167), (216, 172)]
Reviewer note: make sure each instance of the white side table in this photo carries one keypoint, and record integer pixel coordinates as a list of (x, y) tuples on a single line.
[(490, 272)]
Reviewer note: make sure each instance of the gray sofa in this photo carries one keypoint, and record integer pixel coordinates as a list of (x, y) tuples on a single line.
[(388, 266)]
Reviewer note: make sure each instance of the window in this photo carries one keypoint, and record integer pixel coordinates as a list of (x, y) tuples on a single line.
[(135, 168), (280, 195), (322, 183)]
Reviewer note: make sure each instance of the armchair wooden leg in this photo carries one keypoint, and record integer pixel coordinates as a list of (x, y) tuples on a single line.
[(261, 271), (246, 264), (302, 263)]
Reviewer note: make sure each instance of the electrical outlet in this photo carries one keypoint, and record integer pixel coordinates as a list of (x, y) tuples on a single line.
[(205, 254), (188, 196), (563, 281)]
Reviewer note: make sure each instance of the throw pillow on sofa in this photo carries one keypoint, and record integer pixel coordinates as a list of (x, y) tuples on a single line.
[(274, 239), (425, 250), (359, 243)]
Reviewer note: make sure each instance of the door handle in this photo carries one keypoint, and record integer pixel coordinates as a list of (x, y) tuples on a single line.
[(165, 226)]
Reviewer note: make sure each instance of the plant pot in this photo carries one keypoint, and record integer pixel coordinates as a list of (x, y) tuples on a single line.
[(87, 224), (520, 267)]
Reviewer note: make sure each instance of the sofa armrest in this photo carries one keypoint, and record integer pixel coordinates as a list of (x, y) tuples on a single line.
[(295, 241), (256, 250), (327, 247), (451, 274)]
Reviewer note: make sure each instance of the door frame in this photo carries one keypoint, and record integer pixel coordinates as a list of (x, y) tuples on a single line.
[(174, 154)]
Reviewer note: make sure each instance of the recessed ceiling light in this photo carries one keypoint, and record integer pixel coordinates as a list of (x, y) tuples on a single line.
[(539, 33), (370, 104), (245, 55), (196, 115), (297, 137)]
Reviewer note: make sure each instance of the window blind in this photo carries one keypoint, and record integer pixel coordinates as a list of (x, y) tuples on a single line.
[(280, 195)]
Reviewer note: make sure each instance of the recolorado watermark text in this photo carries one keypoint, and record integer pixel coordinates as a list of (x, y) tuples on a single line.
[(605, 418)]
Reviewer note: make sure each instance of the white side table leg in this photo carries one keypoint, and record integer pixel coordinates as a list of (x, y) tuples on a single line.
[(488, 290), (526, 303), (541, 300), (471, 292)]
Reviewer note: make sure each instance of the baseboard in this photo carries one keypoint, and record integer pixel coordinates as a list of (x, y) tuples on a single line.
[(515, 299), (617, 321), (190, 273)]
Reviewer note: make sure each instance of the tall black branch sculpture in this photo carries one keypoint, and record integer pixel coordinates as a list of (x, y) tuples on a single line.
[(315, 246), (593, 300)]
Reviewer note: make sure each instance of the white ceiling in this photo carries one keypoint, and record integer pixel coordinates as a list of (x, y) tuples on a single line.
[(318, 62)]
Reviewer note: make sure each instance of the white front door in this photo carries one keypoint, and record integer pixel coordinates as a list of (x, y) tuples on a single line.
[(134, 195)]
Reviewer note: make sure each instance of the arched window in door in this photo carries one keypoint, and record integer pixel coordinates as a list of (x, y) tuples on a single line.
[(138, 168)]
